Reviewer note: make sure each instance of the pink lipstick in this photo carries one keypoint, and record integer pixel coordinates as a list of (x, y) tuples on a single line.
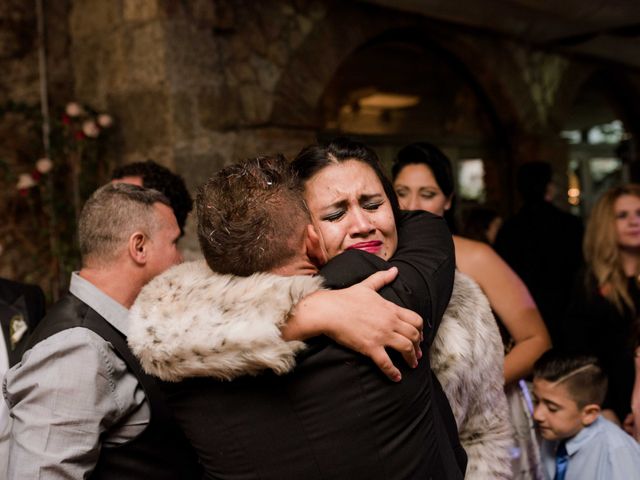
[(372, 246)]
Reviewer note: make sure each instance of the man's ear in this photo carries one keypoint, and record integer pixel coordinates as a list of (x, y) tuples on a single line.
[(589, 414), (137, 247), (550, 192), (315, 246)]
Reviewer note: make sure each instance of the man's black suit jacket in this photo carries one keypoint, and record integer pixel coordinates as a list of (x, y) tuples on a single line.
[(543, 245), (19, 301), (336, 416)]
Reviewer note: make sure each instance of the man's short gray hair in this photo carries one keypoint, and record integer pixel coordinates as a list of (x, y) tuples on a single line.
[(112, 214)]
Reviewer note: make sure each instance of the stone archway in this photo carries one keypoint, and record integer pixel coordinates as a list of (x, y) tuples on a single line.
[(344, 30)]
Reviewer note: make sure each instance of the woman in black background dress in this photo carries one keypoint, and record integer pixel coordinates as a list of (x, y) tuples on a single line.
[(603, 312)]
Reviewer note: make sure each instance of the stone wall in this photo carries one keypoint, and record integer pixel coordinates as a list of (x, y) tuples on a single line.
[(198, 84), (20, 133), (202, 83), (191, 83)]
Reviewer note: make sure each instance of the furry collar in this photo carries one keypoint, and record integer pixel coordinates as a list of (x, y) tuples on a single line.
[(190, 322)]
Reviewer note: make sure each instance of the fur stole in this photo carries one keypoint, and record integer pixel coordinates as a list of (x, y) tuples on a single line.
[(190, 322), (467, 356)]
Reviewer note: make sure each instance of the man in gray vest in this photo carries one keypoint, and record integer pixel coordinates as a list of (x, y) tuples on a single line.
[(22, 306), (82, 407)]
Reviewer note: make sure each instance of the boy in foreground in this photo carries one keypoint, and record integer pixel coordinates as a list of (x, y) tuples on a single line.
[(579, 444)]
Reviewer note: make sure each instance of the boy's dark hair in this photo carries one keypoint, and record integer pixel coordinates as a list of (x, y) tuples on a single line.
[(251, 216), (165, 181), (582, 375)]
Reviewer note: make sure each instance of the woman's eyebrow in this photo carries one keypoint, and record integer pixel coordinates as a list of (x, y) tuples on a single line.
[(343, 203), (337, 204), (370, 196), (551, 403)]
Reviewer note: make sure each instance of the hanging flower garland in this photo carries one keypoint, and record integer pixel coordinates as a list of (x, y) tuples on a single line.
[(42, 197), (80, 123), (50, 161)]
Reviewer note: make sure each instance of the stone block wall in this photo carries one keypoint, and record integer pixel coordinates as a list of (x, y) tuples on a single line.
[(20, 133), (198, 84)]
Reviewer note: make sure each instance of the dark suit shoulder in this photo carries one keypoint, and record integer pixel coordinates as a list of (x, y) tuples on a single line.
[(10, 290), (26, 300)]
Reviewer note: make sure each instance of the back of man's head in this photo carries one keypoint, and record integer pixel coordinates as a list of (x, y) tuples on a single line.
[(251, 216), (582, 376), (111, 215), (533, 180), (165, 181)]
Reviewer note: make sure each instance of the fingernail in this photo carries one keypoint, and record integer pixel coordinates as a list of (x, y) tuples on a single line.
[(419, 355), (415, 365), (397, 377)]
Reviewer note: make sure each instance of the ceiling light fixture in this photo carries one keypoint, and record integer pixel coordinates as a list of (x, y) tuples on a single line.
[(388, 101)]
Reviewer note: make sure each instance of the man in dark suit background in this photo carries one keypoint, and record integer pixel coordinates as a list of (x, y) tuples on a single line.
[(21, 308), (543, 244)]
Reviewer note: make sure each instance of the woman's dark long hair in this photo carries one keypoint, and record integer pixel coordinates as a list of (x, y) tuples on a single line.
[(427, 154), (313, 158)]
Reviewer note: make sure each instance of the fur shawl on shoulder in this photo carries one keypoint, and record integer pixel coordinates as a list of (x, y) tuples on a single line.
[(190, 321), (467, 356)]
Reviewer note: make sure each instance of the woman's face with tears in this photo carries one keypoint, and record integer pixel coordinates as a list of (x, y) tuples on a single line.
[(351, 210)]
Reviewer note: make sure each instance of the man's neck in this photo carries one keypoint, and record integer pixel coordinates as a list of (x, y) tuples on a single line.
[(298, 266), (116, 284)]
